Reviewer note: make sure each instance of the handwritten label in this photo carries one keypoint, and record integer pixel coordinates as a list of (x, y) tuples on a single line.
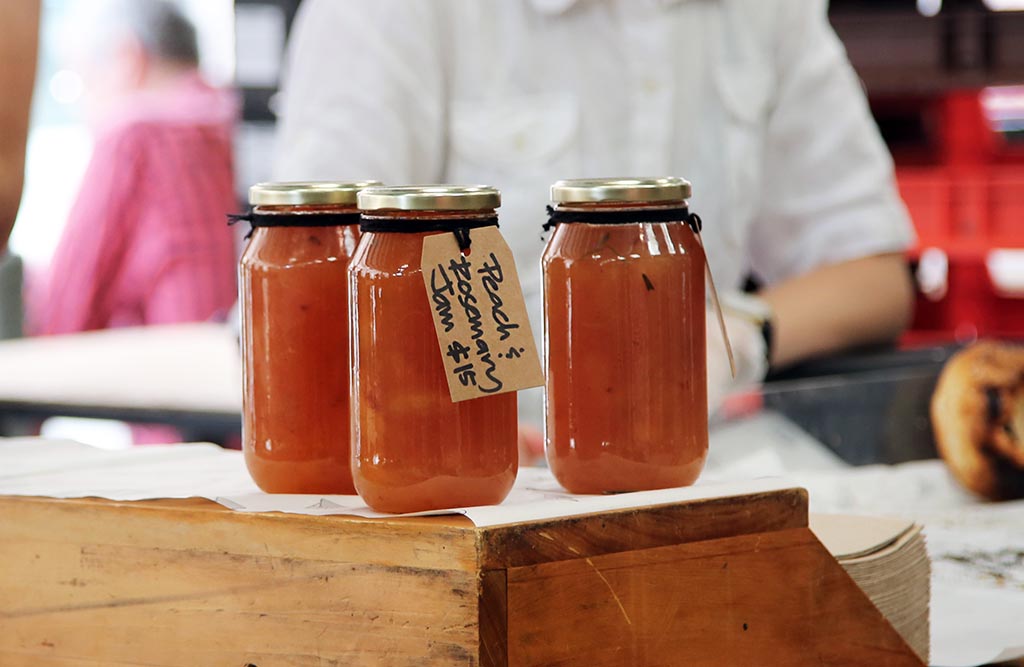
[(483, 332)]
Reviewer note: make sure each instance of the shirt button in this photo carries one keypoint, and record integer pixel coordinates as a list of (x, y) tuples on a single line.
[(519, 142), (651, 86)]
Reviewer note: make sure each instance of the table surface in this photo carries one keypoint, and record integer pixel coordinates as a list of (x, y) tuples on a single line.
[(187, 374)]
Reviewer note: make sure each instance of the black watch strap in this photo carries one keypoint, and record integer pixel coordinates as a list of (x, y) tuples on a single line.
[(768, 333)]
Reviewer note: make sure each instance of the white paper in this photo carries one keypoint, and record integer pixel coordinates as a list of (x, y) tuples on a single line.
[(917, 490), (977, 555), (536, 496), (975, 626), (63, 469)]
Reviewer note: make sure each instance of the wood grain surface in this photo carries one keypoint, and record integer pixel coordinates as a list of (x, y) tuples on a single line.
[(644, 528), (494, 618), (768, 599), (109, 584), (188, 583)]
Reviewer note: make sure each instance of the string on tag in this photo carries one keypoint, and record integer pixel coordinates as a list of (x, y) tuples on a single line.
[(462, 238), (714, 300)]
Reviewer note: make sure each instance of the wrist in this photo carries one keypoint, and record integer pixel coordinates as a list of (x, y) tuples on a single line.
[(756, 315)]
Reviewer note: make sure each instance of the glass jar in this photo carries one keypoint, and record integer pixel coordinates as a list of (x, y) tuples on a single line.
[(624, 310), (294, 306), (413, 449)]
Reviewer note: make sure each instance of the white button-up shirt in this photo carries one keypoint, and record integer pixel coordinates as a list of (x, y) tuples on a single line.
[(753, 101)]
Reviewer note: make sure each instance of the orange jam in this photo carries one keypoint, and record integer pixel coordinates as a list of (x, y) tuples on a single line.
[(624, 310), (294, 305), (413, 448)]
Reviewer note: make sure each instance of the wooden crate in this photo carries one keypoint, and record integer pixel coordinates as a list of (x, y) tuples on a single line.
[(734, 581)]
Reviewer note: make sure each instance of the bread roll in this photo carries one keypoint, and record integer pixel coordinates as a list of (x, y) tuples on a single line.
[(978, 419)]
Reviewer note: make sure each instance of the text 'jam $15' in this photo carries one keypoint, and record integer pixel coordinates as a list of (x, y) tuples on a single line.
[(479, 313)]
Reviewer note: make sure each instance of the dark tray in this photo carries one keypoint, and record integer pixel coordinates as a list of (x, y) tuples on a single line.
[(871, 407)]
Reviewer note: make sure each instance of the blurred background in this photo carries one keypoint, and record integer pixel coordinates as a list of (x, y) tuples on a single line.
[(60, 142), (945, 79)]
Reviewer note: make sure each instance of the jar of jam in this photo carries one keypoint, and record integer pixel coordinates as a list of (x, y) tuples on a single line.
[(413, 449), (294, 311), (624, 310)]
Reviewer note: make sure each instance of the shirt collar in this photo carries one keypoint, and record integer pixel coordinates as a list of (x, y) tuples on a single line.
[(561, 6)]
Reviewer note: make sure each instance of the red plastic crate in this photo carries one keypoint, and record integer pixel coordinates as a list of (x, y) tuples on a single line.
[(968, 207), (1006, 207), (926, 191), (973, 304)]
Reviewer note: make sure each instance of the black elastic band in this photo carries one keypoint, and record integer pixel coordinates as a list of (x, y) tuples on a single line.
[(293, 220), (600, 217), (458, 226)]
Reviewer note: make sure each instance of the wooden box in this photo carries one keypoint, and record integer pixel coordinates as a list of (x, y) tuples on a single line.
[(733, 581)]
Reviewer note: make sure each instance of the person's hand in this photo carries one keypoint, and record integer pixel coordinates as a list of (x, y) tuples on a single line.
[(748, 347), (531, 444)]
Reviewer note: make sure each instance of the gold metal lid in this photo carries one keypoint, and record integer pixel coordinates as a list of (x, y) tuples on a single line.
[(430, 198), (589, 190), (312, 193)]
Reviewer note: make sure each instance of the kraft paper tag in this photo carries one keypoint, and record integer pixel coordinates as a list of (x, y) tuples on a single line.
[(479, 314)]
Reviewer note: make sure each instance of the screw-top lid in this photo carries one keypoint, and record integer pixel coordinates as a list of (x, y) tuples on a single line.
[(430, 198), (307, 194), (590, 190)]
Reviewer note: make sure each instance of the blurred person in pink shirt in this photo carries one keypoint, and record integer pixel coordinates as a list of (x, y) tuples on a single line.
[(145, 242)]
